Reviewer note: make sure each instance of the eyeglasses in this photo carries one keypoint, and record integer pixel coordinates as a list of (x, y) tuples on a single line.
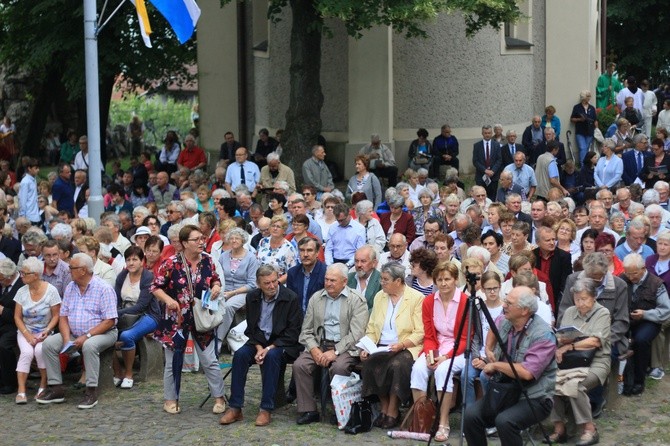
[(492, 290), (508, 303), (72, 268), (170, 212), (306, 194), (153, 223), (197, 239), (26, 273)]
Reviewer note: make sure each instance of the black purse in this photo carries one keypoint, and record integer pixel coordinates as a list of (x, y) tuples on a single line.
[(503, 393), (360, 419), (577, 358)]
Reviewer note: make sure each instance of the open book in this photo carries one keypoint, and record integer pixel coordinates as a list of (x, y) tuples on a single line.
[(369, 346), (69, 348), (568, 334)]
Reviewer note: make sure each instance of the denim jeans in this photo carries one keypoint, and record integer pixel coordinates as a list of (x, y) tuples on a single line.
[(583, 143), (473, 373), (242, 360), (144, 325)]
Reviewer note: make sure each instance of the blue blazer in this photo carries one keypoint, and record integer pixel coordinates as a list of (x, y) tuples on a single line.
[(295, 282), (630, 170)]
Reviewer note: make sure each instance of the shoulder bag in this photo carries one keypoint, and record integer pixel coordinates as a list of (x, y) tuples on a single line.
[(205, 319)]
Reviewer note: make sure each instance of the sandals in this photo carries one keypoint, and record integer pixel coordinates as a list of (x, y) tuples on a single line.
[(442, 434), (40, 392), (21, 398), (171, 408)]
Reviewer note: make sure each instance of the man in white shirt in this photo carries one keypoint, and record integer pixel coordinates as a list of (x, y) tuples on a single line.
[(81, 159), (119, 242), (397, 253)]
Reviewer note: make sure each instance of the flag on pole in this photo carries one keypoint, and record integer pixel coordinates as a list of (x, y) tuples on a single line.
[(143, 19), (182, 15)]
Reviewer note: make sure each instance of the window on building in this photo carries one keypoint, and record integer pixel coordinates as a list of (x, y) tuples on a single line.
[(260, 27), (518, 37)]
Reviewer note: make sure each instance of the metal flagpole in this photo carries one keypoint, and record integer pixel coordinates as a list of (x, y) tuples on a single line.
[(95, 203)]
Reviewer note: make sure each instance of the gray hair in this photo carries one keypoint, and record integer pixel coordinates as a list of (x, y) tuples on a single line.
[(401, 185), (371, 249), (34, 236), (594, 263), (375, 137), (526, 278), (340, 268), (363, 206), (425, 192), (636, 223), (584, 94), (85, 260), (452, 198), (7, 268), (395, 270), (315, 148), (462, 217), (422, 171), (283, 185), (266, 270), (528, 300), (220, 193), (178, 206), (33, 265), (661, 185), (61, 230), (241, 189), (480, 253), (653, 209), (190, 204), (237, 232), (513, 195), (141, 210), (396, 201), (665, 236), (506, 174), (609, 143), (272, 156), (633, 260), (616, 215), (487, 127), (549, 130), (639, 138), (173, 230), (391, 191), (650, 196), (584, 285), (113, 218), (497, 126)]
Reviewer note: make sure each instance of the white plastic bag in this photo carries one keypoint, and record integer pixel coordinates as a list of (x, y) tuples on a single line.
[(236, 337), (345, 390), (191, 360)]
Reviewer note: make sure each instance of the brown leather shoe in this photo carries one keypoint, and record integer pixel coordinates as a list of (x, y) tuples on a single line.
[(90, 398), (264, 418), (232, 415)]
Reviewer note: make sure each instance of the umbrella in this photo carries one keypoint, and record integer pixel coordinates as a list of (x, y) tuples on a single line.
[(325, 374), (179, 344)]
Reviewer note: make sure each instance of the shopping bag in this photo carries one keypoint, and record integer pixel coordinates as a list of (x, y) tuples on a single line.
[(191, 361), (236, 337), (345, 390)]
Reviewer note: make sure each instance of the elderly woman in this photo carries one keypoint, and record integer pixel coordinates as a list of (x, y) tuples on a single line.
[(423, 262), (425, 211), (365, 182), (566, 231), (395, 323), (373, 229), (617, 223), (139, 238), (593, 320), (550, 120), (205, 201), (519, 242), (153, 248), (139, 312), (276, 250), (605, 243), (655, 215), (36, 316), (442, 313), (195, 268), (609, 168), (239, 266), (398, 221), (403, 189), (450, 206)]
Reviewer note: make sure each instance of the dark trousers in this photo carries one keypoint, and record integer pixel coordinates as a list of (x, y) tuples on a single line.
[(509, 422), (388, 172), (643, 334), (8, 359), (242, 360)]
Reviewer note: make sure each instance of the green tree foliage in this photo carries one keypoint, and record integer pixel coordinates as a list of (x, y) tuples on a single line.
[(408, 17), (635, 39), (46, 39)]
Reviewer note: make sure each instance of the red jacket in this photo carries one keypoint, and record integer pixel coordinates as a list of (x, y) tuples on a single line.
[(404, 225), (429, 333)]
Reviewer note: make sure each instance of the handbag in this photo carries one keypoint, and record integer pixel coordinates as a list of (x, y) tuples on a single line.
[(577, 358), (503, 393), (420, 416), (345, 392), (127, 320), (360, 419), (205, 319), (422, 159)]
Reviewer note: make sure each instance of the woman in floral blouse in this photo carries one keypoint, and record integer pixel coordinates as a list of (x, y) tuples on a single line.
[(276, 250), (171, 288)]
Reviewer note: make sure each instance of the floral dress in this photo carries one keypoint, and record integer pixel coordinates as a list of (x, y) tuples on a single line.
[(283, 258), (171, 278), (420, 217)]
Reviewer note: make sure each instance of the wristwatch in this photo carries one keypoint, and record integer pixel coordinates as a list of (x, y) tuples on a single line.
[(337, 353), (88, 335)]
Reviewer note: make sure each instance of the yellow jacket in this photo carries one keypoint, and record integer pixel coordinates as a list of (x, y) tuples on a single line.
[(408, 320)]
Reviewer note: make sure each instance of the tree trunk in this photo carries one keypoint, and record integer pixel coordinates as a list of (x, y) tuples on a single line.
[(303, 117)]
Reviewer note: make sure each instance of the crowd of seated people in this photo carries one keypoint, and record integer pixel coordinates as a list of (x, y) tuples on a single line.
[(316, 269)]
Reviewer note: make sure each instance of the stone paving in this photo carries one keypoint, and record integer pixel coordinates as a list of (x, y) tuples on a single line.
[(135, 417)]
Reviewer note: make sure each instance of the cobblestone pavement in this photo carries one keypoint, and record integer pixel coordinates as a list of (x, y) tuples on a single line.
[(135, 417)]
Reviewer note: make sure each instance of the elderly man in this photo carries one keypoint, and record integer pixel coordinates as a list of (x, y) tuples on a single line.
[(32, 242), (511, 148), (597, 221), (547, 173), (56, 271), (273, 327), (523, 175), (316, 173), (192, 156), (508, 187), (241, 172), (113, 223), (636, 235), (11, 282), (513, 204), (79, 190), (175, 215), (366, 279), (63, 190), (625, 205), (263, 231), (382, 161), (649, 308), (344, 238), (663, 189), (431, 228), (163, 192), (273, 172), (533, 135), (555, 263), (341, 313), (634, 160), (87, 323), (397, 253), (306, 278), (550, 135), (534, 363), (461, 222)]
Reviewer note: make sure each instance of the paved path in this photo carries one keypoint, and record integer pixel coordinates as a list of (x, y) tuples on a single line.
[(135, 417)]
